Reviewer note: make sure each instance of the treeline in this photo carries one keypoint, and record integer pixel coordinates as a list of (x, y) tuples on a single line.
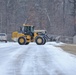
[(58, 17)]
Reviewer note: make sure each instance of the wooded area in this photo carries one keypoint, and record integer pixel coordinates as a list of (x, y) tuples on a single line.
[(58, 17)]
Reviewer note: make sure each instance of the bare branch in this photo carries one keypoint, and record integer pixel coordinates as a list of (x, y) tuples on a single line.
[(71, 1)]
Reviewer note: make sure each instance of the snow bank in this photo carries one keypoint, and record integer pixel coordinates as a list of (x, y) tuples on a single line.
[(55, 43)]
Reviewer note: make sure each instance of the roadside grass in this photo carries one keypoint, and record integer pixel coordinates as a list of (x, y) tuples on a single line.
[(71, 48)]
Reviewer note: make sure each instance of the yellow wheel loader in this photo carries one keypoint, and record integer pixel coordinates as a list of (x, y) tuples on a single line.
[(27, 34)]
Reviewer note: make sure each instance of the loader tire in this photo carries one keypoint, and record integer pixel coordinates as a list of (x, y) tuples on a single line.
[(21, 40), (39, 40), (44, 41)]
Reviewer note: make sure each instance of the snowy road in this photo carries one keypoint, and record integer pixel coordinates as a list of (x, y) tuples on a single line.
[(35, 60)]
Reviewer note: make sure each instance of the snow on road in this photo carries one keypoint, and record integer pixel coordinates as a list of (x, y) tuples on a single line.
[(34, 59)]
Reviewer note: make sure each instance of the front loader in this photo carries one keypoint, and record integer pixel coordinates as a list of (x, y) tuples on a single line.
[(27, 34)]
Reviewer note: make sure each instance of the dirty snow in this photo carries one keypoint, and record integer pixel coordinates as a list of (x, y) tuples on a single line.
[(33, 59)]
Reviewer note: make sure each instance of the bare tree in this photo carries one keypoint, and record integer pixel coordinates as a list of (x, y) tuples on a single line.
[(1, 21), (45, 13), (74, 12), (64, 12)]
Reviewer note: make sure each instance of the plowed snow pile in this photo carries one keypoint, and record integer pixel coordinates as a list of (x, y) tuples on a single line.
[(33, 59)]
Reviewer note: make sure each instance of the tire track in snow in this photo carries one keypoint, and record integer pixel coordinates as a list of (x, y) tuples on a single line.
[(5, 56), (5, 53), (33, 61), (18, 61), (45, 62), (42, 63)]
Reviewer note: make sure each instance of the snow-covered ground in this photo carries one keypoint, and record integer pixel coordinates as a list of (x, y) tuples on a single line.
[(35, 59)]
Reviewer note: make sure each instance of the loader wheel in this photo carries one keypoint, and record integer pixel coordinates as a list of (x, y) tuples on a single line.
[(21, 40), (44, 41), (39, 40)]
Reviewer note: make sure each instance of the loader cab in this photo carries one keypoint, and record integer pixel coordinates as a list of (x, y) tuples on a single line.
[(28, 29)]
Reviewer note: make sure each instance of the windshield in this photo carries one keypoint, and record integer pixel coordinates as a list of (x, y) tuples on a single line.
[(28, 29)]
